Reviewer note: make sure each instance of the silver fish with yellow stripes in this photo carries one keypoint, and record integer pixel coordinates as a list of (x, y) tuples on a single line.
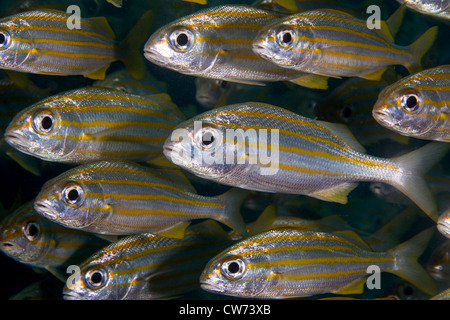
[(291, 263), (217, 43), (231, 145), (94, 124), (147, 266), (121, 198), (418, 105), (27, 237), (435, 8), (336, 44), (44, 42)]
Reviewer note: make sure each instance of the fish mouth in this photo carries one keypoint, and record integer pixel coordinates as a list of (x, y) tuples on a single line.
[(11, 248), (15, 140), (153, 56), (45, 209), (211, 288), (71, 295)]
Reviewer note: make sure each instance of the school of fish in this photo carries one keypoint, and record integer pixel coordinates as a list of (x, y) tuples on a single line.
[(190, 149)]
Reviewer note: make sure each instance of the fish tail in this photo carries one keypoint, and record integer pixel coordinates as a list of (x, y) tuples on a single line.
[(232, 200), (412, 183), (406, 264), (420, 47), (133, 59)]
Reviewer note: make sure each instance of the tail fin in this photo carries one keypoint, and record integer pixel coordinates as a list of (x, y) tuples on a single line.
[(412, 183), (407, 266), (232, 200), (133, 59), (420, 47)]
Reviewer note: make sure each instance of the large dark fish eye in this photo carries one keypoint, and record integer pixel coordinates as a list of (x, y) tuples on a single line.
[(5, 39), (96, 278), (285, 38), (233, 268), (410, 102), (207, 138), (181, 40), (31, 231), (72, 194), (43, 122)]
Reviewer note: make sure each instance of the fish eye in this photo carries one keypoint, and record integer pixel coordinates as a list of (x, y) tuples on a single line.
[(233, 269), (285, 38), (410, 102), (31, 231), (44, 122), (72, 194), (96, 278), (5, 39), (207, 138), (346, 113), (224, 84), (181, 40)]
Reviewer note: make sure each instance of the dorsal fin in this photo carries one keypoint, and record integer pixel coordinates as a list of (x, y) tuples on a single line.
[(104, 26)]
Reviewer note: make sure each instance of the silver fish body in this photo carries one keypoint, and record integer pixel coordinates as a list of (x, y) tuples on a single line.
[(145, 266), (43, 42), (217, 43), (334, 43), (122, 198), (290, 263), (417, 105), (444, 223), (92, 123), (308, 157)]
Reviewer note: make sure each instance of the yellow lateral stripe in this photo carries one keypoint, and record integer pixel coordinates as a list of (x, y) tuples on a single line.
[(319, 261), (117, 124), (65, 42), (154, 197)]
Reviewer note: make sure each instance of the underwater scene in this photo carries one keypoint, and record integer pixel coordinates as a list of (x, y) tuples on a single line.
[(225, 150)]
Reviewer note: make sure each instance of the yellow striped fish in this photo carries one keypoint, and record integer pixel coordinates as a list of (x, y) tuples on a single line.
[(444, 295), (94, 124), (264, 148), (291, 263), (418, 105), (147, 266), (122, 198), (217, 43), (336, 44), (44, 42), (27, 237)]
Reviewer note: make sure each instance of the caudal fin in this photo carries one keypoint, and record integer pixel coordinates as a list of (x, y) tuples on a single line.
[(133, 58), (407, 266), (412, 183), (232, 200), (420, 47)]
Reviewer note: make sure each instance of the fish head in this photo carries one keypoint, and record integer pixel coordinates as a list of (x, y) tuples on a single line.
[(14, 51), (199, 147), (71, 200), (283, 44), (182, 46), (403, 109), (209, 91), (39, 130), (443, 224), (235, 272), (98, 278), (24, 235)]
